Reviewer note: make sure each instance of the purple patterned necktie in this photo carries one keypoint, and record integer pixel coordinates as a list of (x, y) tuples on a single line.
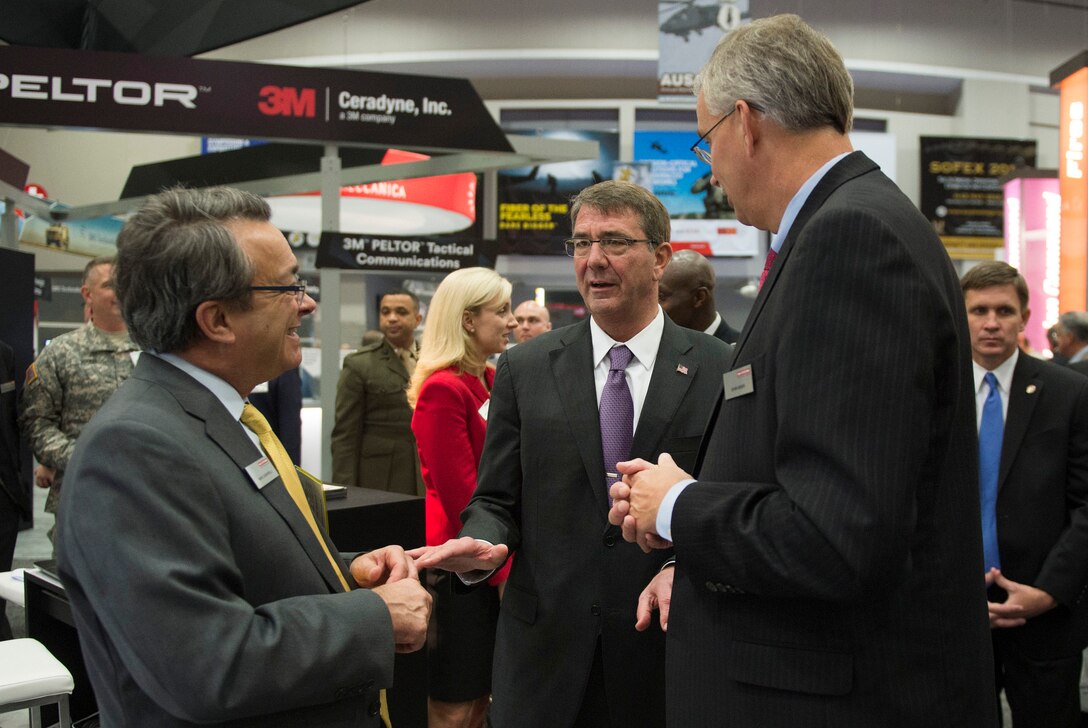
[(617, 414)]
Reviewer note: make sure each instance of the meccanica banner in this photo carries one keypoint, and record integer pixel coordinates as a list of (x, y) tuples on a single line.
[(961, 193), (126, 91), (403, 254)]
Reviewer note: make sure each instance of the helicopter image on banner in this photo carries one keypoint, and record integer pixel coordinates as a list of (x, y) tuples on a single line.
[(684, 17)]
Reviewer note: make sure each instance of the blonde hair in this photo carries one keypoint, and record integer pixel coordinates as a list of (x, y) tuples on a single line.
[(446, 343)]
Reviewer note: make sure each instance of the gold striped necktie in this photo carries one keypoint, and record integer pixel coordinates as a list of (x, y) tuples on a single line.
[(254, 420)]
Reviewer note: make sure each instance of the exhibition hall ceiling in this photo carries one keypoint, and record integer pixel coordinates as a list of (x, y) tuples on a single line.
[(160, 27), (918, 52)]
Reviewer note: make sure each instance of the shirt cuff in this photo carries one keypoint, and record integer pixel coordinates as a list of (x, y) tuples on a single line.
[(664, 511), (468, 578)]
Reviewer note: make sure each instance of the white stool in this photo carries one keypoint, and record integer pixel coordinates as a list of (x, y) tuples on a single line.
[(31, 677)]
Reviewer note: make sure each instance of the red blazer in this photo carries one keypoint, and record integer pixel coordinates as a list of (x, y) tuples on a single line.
[(449, 432)]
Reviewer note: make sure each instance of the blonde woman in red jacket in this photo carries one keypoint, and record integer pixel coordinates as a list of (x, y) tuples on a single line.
[(468, 321)]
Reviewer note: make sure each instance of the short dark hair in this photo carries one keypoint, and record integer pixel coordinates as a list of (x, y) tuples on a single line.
[(996, 273), (400, 292), (175, 253), (614, 196)]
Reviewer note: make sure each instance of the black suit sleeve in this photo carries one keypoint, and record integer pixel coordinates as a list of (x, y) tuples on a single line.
[(822, 493)]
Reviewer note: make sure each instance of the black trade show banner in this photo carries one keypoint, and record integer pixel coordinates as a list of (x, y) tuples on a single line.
[(403, 254), (534, 202), (125, 91), (961, 193)]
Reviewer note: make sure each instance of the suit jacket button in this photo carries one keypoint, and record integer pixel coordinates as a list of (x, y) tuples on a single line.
[(595, 610), (610, 541)]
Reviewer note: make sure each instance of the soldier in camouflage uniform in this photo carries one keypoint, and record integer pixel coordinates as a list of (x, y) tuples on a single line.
[(74, 376)]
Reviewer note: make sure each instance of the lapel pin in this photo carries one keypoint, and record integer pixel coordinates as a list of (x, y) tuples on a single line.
[(682, 369), (1030, 389)]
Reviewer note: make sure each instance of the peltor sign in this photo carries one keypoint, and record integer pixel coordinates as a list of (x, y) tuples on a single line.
[(122, 91)]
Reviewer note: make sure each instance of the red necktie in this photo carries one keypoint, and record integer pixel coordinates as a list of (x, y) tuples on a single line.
[(771, 255)]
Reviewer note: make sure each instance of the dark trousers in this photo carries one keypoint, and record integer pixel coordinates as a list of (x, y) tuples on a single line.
[(594, 710), (9, 531), (1044, 693)]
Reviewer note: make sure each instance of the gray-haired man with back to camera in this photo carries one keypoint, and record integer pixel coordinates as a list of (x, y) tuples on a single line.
[(203, 585)]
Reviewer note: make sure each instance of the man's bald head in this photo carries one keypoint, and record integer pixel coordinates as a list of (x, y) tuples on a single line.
[(533, 320), (686, 290)]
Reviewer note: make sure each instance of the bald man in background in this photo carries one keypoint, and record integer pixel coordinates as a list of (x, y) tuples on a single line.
[(686, 293), (533, 320)]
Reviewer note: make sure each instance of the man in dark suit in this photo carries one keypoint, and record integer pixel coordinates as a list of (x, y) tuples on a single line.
[(686, 292), (1039, 516), (15, 500), (827, 557), (372, 441), (202, 583), (567, 652)]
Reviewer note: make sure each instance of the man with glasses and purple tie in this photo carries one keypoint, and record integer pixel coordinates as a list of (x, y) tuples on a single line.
[(565, 408)]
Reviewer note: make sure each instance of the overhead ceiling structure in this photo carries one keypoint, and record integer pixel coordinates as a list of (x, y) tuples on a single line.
[(158, 27)]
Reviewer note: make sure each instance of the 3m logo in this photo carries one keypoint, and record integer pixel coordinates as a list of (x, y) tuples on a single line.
[(287, 101)]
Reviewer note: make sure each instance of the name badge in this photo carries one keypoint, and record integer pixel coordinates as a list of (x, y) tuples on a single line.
[(262, 472), (738, 382), (483, 409), (7, 387)]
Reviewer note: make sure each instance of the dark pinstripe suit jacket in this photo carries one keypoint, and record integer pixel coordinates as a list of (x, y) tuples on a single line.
[(829, 558)]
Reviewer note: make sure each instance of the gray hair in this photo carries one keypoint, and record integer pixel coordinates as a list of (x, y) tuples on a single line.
[(1075, 323), (175, 253), (92, 264), (792, 73), (612, 196)]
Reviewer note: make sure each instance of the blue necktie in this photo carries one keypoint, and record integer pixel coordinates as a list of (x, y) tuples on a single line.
[(990, 433)]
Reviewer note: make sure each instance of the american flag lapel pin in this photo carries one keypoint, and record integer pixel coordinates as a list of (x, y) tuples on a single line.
[(682, 369)]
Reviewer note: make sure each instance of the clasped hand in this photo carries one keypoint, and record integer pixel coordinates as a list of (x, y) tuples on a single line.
[(392, 575), (636, 499)]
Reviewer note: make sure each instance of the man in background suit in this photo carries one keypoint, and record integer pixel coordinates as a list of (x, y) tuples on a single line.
[(202, 583), (827, 557), (372, 441), (567, 652), (1038, 520), (1072, 336), (15, 501), (533, 320), (687, 295)]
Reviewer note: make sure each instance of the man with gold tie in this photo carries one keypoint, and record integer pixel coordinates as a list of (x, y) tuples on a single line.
[(203, 585)]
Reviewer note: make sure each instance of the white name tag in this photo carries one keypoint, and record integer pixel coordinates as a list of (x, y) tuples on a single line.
[(483, 409), (738, 382), (262, 472), (7, 387)]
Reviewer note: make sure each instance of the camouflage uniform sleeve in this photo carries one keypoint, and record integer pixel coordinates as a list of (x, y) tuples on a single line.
[(40, 417)]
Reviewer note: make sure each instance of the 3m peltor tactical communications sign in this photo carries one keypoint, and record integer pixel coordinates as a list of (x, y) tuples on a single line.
[(122, 91)]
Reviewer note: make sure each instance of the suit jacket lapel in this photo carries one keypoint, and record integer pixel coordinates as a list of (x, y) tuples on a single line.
[(674, 371), (393, 362), (1021, 407), (851, 166), (227, 433), (572, 368)]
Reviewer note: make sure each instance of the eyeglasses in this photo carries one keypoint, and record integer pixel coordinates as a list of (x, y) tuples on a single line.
[(612, 247), (299, 289), (704, 154)]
